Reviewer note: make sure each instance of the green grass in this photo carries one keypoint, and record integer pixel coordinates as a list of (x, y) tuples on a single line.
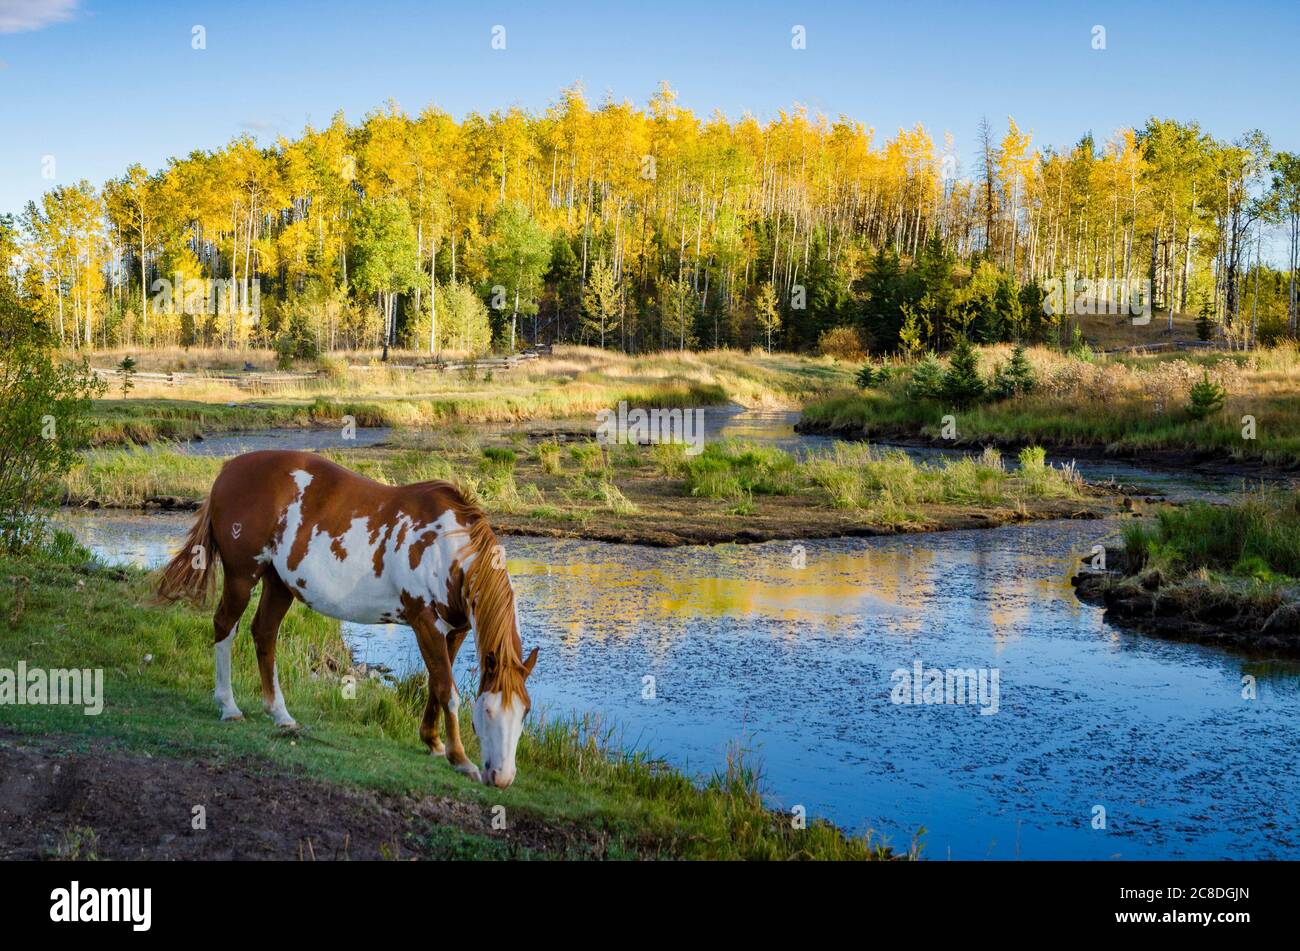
[(63, 610), (732, 469), (859, 476), (1257, 536)]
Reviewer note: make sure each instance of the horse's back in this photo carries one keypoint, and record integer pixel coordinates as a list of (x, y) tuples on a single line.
[(342, 543)]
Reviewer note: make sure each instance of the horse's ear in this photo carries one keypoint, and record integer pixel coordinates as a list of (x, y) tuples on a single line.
[(530, 663)]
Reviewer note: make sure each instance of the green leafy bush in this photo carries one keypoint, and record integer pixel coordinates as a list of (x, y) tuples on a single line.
[(44, 410)]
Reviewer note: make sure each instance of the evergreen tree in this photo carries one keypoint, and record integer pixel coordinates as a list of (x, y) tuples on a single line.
[(1205, 319), (1206, 397), (962, 384), (1014, 378), (1079, 348), (927, 379), (883, 291)]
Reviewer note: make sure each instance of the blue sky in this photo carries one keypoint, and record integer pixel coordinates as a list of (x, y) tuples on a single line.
[(99, 84)]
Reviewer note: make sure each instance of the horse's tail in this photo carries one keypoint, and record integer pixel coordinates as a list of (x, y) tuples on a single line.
[(191, 575)]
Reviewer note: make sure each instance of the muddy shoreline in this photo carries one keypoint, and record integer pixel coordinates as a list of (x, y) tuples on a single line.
[(1207, 462)]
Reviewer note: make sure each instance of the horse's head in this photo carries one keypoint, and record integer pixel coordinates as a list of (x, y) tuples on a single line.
[(502, 701), (499, 712)]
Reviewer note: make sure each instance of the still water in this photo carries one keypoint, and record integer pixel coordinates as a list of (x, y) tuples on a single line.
[(797, 665)]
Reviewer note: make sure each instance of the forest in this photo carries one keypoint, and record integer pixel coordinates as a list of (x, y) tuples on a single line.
[(653, 228)]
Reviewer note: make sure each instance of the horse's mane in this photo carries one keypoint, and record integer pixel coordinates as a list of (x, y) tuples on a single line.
[(489, 595)]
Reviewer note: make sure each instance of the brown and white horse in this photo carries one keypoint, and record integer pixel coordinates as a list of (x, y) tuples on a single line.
[(357, 550)]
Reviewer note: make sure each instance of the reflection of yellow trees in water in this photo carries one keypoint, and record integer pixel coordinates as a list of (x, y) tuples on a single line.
[(841, 592), (1006, 608), (835, 590)]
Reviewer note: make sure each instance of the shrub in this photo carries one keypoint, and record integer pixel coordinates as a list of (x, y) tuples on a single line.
[(843, 343), (44, 409), (1205, 319), (867, 378), (127, 369), (297, 342), (872, 376)]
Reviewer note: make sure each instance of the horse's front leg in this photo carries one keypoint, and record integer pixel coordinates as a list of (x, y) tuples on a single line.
[(442, 690), (429, 724)]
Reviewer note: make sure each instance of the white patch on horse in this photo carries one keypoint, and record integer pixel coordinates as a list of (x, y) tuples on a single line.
[(224, 693), (276, 708), (347, 586)]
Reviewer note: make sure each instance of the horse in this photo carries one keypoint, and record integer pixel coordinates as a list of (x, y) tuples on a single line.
[(351, 548)]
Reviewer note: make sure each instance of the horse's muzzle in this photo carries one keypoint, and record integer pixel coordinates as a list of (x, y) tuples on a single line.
[(498, 778)]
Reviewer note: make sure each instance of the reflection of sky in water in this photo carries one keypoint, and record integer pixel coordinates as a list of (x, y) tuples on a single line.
[(310, 440), (797, 664)]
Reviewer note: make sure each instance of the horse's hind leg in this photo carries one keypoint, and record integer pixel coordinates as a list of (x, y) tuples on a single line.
[(275, 603), (234, 599)]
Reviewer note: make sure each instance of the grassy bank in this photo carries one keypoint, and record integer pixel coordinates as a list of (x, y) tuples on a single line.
[(61, 610), (656, 494), (1257, 538), (1120, 404), (574, 382), (1225, 573)]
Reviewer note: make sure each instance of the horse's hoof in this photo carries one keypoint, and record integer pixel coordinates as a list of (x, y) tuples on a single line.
[(438, 750), (470, 770), (232, 716), (289, 726)]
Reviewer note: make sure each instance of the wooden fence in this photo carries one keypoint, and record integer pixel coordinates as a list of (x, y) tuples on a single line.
[(259, 379), (252, 380)]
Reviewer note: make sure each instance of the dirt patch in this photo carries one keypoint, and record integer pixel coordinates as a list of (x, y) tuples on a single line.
[(83, 799)]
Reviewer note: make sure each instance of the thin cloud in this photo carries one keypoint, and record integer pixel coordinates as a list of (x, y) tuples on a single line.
[(24, 16)]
